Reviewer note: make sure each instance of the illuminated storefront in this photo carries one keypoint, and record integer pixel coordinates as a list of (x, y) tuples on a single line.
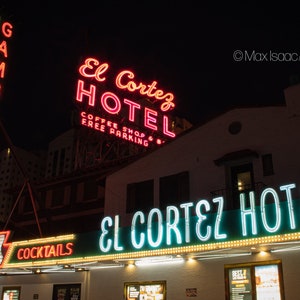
[(191, 231)]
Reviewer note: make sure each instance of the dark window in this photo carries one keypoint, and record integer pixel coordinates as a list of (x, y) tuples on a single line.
[(62, 160), (58, 197), (174, 189), (66, 291), (55, 162), (267, 162), (139, 196), (27, 204), (90, 190)]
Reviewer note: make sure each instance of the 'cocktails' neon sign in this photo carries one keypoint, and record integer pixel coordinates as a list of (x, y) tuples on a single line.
[(141, 124)]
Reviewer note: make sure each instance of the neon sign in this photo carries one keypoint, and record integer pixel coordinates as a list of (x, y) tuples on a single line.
[(193, 226), (45, 251), (180, 228), (6, 33), (138, 122), (4, 245)]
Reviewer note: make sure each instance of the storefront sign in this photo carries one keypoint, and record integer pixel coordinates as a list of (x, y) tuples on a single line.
[(123, 105), (191, 223), (200, 225)]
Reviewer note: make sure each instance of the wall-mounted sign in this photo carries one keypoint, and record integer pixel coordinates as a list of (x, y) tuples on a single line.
[(191, 292), (152, 290), (122, 105), (191, 226), (11, 293), (6, 31), (250, 281)]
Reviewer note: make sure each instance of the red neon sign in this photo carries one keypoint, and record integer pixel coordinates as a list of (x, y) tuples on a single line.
[(6, 32), (104, 109), (45, 251), (4, 246)]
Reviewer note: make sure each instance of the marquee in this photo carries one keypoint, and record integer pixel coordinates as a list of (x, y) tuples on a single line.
[(181, 229)]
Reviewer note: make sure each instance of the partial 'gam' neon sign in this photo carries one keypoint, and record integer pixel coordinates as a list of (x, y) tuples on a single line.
[(137, 112), (6, 34)]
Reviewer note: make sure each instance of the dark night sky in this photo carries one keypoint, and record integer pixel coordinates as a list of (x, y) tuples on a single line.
[(187, 48)]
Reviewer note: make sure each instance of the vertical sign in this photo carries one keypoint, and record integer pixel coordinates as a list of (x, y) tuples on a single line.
[(5, 35)]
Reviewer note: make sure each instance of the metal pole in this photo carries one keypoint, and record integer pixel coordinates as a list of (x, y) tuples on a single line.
[(12, 147)]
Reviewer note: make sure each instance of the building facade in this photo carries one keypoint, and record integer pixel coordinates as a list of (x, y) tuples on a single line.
[(12, 176), (214, 214)]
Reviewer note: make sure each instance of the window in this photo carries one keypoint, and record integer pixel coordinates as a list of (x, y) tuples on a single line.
[(54, 163), (267, 163), (58, 195), (26, 204), (241, 181), (90, 190), (174, 189), (66, 291), (62, 161), (262, 280), (139, 196)]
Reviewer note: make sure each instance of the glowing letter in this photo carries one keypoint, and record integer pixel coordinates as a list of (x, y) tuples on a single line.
[(2, 69), (109, 222), (116, 234), (159, 227), (132, 106), (104, 102), (149, 118), (263, 210), (219, 217), (165, 127), (186, 206), (201, 218), (3, 48), (250, 212), (172, 226), (7, 29), (133, 230), (287, 188), (90, 94)]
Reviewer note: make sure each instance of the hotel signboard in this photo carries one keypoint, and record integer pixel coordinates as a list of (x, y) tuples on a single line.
[(121, 105), (188, 227)]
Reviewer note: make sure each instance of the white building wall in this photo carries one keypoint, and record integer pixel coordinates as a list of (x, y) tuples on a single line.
[(42, 284), (264, 130)]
